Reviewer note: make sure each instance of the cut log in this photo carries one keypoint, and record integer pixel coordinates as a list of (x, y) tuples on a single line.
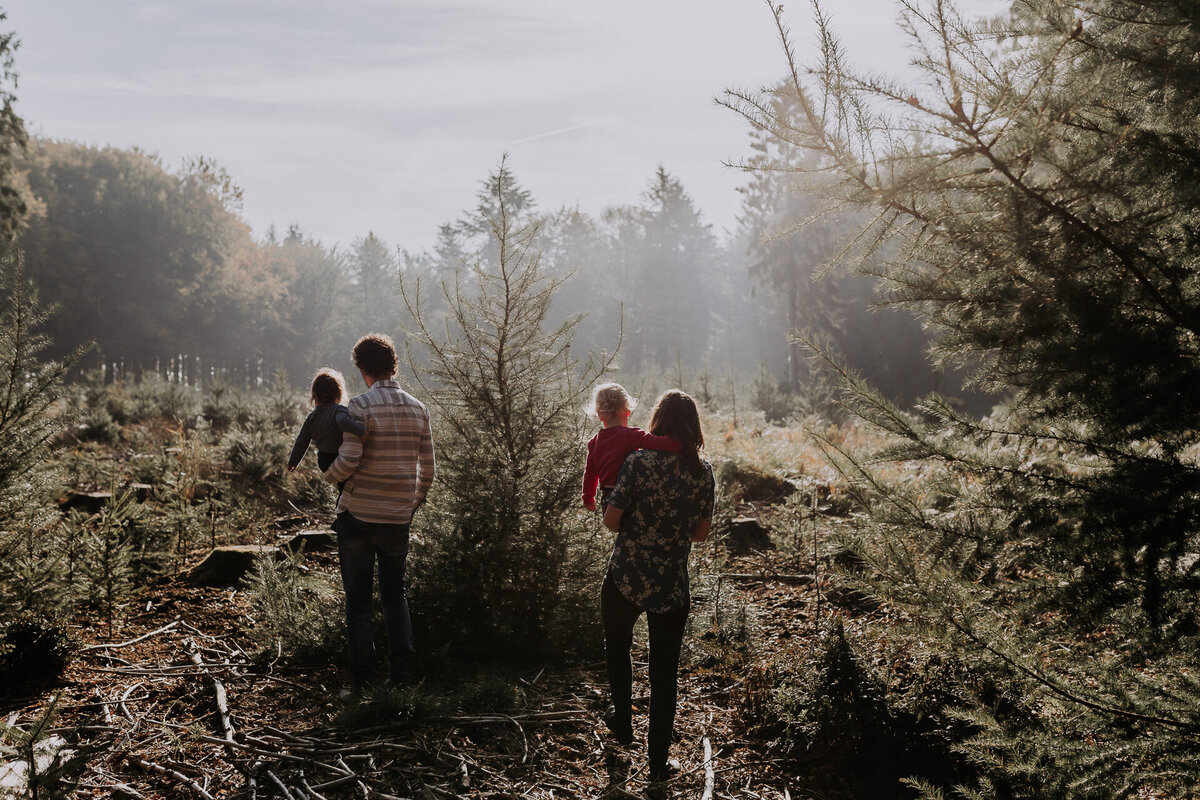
[(747, 535), (312, 541), (226, 566), (88, 502)]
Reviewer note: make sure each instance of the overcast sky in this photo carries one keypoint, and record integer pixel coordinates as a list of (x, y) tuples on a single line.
[(384, 115)]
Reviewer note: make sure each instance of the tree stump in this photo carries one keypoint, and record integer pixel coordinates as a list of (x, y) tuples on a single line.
[(747, 535), (226, 566), (87, 502), (312, 541)]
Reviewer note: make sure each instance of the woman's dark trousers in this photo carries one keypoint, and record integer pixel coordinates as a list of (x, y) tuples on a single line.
[(666, 640)]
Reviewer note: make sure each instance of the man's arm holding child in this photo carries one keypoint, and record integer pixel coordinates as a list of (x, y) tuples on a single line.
[(348, 424), (348, 458)]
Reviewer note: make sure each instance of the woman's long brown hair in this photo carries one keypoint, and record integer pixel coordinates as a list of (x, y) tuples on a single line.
[(675, 415)]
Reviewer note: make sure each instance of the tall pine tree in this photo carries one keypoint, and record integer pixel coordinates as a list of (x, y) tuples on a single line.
[(506, 568), (1036, 199)]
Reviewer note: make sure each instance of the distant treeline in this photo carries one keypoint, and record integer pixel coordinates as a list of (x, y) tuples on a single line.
[(157, 267)]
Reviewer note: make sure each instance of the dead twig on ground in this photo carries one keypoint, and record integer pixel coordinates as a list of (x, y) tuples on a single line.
[(275, 779), (222, 699), (710, 777), (179, 776), (141, 638)]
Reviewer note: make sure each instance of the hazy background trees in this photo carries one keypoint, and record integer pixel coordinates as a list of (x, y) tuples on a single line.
[(156, 266)]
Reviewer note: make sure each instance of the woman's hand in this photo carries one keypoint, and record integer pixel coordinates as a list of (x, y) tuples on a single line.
[(612, 518), (702, 529)]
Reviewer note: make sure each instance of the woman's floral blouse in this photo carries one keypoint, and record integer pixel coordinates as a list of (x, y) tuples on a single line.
[(663, 503)]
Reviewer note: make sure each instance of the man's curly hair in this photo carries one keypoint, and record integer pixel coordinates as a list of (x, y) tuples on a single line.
[(375, 355)]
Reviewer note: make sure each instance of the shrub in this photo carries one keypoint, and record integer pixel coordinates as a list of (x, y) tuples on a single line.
[(727, 647), (225, 406), (507, 562), (258, 455), (107, 564), (298, 617), (31, 418), (283, 406), (110, 397), (98, 425), (45, 766), (771, 398), (152, 397), (34, 651), (382, 705), (743, 482), (830, 712)]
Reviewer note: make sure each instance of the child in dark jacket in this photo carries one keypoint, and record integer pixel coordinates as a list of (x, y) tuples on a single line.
[(615, 440), (327, 421)]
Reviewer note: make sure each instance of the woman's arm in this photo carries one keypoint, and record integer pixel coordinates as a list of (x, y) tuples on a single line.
[(612, 518), (698, 535)]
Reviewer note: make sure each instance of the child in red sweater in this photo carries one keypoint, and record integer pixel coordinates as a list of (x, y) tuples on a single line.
[(608, 448)]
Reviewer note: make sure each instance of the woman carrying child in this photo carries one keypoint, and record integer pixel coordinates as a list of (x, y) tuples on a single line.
[(662, 502), (607, 449)]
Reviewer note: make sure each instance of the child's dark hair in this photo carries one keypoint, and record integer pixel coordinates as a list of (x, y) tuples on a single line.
[(675, 415), (328, 386)]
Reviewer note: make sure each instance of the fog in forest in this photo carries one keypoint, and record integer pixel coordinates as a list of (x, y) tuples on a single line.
[(158, 268)]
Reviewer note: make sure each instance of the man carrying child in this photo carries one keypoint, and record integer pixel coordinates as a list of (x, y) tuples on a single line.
[(386, 481)]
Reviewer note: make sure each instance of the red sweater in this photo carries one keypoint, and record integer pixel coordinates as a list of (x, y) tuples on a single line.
[(607, 451)]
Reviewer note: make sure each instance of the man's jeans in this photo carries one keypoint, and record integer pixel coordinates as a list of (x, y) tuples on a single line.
[(363, 549)]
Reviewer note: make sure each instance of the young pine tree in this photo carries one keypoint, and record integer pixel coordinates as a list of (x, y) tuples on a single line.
[(30, 414), (108, 561), (1037, 196), (505, 567)]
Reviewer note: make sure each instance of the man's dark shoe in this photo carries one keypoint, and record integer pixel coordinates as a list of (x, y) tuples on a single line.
[(401, 682), (660, 780), (621, 729)]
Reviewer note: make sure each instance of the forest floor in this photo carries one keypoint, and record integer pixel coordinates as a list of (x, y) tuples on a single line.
[(147, 699)]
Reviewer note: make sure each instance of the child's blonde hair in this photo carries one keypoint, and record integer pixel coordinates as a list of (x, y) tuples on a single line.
[(609, 399), (328, 386)]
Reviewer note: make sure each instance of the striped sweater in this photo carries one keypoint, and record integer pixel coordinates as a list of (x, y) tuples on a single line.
[(388, 476)]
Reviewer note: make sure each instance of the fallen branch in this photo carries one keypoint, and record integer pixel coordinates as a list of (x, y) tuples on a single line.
[(800, 579), (336, 782), (221, 696), (279, 756), (124, 699), (168, 671), (310, 790), (795, 580), (179, 776), (279, 783), (710, 777), (143, 637)]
